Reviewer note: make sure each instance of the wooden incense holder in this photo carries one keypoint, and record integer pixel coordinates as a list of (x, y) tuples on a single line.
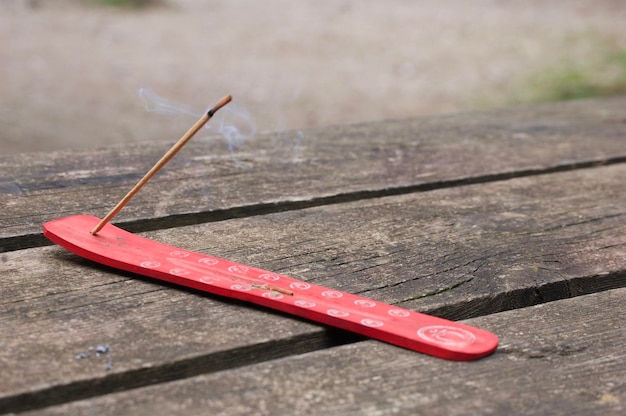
[(120, 249)]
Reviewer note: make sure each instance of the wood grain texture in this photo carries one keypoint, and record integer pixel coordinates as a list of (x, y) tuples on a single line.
[(559, 358), (205, 183), (457, 252)]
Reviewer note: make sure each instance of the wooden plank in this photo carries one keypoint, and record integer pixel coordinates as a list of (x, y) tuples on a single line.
[(457, 252), (333, 164), (559, 358)]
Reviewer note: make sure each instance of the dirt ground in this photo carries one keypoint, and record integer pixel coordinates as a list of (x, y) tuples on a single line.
[(70, 71)]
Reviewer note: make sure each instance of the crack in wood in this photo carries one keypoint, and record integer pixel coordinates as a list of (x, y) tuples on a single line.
[(481, 260), (94, 180), (542, 352), (521, 298), (111, 299), (586, 221), (211, 363), (436, 292), (13, 301)]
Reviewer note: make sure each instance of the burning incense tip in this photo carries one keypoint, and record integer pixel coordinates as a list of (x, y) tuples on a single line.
[(166, 158), (219, 105)]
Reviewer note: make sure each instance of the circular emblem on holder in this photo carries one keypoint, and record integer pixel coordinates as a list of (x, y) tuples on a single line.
[(237, 268), (241, 287), (179, 272), (300, 285), (270, 276), (304, 304), (372, 323), (208, 261), (332, 294), (398, 313), (365, 303), (446, 335), (337, 313)]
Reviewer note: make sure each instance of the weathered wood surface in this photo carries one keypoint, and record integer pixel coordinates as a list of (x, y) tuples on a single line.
[(457, 252), (559, 358), (332, 165)]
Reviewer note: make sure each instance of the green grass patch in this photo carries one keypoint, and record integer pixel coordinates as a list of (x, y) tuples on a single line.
[(131, 4), (571, 80)]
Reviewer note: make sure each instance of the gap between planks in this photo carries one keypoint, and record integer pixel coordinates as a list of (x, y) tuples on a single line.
[(33, 240), (562, 358), (177, 370)]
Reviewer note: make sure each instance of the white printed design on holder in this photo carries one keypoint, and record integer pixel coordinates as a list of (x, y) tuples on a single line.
[(209, 279), (272, 295), (398, 313), (304, 304), (446, 335), (150, 264), (300, 285), (333, 294), (241, 287), (208, 261), (372, 323), (179, 272), (179, 253), (337, 313), (238, 269), (366, 303), (270, 276)]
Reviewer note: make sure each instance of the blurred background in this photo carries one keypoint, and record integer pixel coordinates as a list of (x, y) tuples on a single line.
[(71, 69)]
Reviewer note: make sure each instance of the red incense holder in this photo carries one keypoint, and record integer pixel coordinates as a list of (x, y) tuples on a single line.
[(120, 249)]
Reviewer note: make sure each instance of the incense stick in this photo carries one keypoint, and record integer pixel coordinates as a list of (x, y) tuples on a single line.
[(166, 158)]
